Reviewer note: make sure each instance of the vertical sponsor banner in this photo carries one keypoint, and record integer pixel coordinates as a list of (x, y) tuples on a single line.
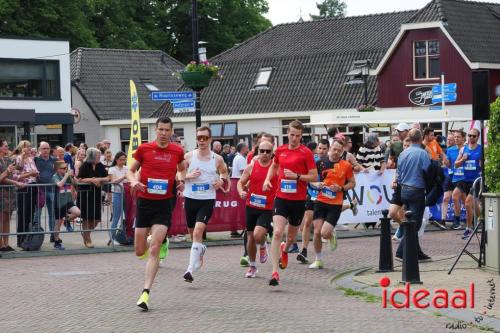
[(373, 192), (135, 126)]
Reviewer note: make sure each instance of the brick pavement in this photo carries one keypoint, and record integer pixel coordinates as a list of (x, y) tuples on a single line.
[(97, 293)]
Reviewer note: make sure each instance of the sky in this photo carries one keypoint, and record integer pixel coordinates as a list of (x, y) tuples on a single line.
[(283, 11)]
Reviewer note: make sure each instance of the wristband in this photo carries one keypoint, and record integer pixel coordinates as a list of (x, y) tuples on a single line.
[(298, 177)]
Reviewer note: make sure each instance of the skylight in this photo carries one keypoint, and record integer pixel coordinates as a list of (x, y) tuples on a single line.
[(263, 78)]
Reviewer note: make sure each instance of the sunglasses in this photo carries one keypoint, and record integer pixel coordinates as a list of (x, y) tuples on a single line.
[(265, 151), (63, 168), (472, 136), (202, 137)]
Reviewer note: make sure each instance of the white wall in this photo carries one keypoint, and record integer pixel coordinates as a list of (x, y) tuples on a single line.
[(89, 124), (46, 49)]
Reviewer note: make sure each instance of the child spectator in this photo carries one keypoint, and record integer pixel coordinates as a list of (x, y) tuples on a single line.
[(118, 174)]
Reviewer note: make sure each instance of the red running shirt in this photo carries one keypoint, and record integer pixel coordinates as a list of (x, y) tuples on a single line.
[(299, 160), (158, 165), (256, 198), (249, 157)]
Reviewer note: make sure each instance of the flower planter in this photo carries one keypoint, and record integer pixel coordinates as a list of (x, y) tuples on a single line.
[(195, 80), (366, 110)]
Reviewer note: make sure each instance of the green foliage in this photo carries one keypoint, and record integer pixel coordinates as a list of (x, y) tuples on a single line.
[(330, 9), (136, 24), (492, 171)]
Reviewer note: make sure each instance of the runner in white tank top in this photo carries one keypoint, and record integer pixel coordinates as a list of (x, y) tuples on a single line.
[(205, 175)]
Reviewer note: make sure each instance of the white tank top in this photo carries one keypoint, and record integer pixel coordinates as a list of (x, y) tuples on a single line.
[(201, 188)]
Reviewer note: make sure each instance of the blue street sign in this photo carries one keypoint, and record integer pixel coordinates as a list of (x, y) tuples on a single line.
[(171, 95), (448, 98), (184, 106), (435, 108), (448, 88)]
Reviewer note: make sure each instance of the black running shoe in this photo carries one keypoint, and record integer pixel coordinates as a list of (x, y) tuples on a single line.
[(302, 257), (188, 277), (275, 279)]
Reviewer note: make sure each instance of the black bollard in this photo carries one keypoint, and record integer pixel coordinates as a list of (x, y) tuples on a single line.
[(385, 263), (411, 272)]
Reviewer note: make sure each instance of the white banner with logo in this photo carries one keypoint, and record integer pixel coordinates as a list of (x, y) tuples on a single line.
[(373, 192)]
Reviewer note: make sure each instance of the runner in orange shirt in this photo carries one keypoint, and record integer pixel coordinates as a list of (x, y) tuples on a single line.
[(432, 145), (336, 177)]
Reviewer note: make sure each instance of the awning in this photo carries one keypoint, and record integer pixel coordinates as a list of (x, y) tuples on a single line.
[(389, 116), (16, 116), (54, 119)]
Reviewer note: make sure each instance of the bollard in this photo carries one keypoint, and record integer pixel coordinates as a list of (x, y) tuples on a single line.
[(411, 273), (385, 262)]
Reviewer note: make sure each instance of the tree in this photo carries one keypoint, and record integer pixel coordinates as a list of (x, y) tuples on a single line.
[(330, 9)]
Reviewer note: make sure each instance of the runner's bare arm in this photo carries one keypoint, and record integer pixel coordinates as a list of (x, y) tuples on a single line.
[(351, 183), (311, 176), (133, 178), (223, 174), (242, 183), (273, 170)]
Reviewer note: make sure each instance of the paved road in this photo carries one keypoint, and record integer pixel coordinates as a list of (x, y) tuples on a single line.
[(97, 293)]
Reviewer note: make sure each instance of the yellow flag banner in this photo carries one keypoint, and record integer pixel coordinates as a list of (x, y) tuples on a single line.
[(135, 126)]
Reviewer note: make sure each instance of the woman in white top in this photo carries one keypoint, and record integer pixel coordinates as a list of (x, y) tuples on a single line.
[(118, 174), (80, 156)]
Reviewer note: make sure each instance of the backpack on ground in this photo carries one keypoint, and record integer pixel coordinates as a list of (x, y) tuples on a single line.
[(33, 242)]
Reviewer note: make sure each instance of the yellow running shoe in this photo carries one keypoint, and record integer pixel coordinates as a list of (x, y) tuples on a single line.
[(145, 255), (143, 301), (164, 250)]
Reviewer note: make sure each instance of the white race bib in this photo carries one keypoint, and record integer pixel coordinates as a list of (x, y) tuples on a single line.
[(288, 186), (157, 186), (258, 200), (459, 171)]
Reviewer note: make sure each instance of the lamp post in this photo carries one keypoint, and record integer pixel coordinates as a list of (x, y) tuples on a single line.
[(359, 75), (196, 57)]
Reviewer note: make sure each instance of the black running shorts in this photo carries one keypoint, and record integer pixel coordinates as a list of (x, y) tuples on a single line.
[(198, 211), (293, 210), (150, 212), (258, 217), (396, 196), (464, 186), (326, 212)]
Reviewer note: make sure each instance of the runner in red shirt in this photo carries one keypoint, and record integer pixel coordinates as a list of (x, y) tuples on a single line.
[(294, 164), (159, 162), (259, 204)]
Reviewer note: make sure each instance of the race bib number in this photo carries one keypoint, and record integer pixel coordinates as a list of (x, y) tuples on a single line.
[(200, 188), (157, 186), (450, 171), (329, 193), (258, 200), (470, 165), (459, 171), (288, 186)]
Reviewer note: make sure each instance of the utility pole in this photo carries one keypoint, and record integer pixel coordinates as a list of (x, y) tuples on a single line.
[(196, 57)]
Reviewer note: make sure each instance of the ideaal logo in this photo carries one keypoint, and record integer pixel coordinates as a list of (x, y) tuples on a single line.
[(423, 298), (374, 193), (373, 198)]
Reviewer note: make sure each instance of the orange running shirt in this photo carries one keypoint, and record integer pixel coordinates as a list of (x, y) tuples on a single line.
[(335, 173)]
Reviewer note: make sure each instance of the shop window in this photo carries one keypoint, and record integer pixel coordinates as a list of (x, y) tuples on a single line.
[(29, 79), (125, 137), (224, 130), (426, 60)]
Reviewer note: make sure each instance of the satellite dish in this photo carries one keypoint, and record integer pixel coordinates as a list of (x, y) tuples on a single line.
[(76, 114)]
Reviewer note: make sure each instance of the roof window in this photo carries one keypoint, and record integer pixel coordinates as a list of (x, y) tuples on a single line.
[(149, 86), (263, 78)]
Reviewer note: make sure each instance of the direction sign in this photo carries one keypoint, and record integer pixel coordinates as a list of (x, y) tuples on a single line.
[(448, 98), (184, 106), (448, 88), (435, 108), (171, 95)]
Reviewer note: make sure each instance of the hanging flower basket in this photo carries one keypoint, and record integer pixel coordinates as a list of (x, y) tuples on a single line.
[(195, 80), (366, 108)]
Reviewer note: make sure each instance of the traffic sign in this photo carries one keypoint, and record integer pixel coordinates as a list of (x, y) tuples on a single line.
[(448, 88), (448, 98), (171, 95), (184, 106), (435, 108)]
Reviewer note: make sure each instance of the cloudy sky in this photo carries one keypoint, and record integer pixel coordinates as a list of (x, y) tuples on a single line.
[(282, 11)]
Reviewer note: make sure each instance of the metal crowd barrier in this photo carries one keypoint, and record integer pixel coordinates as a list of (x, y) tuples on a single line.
[(33, 206)]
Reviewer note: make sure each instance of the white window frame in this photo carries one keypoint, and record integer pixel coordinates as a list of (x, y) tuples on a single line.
[(262, 80), (427, 62)]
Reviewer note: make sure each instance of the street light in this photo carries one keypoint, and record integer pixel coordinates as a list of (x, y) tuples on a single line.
[(196, 57), (359, 75)]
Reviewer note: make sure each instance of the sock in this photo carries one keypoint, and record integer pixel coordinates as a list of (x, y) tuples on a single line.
[(145, 291), (252, 263), (194, 256), (245, 240), (318, 256)]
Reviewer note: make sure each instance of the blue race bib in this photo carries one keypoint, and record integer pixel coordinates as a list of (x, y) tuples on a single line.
[(470, 165), (157, 186), (258, 200), (288, 186), (200, 187), (328, 193)]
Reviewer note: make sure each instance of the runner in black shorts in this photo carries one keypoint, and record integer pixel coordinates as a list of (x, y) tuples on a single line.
[(295, 167), (159, 162), (206, 172)]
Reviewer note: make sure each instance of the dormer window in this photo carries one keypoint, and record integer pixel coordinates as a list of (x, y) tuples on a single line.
[(426, 60), (149, 85), (263, 78)]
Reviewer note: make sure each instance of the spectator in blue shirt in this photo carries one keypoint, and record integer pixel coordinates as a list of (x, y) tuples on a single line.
[(45, 165), (413, 163), (68, 156)]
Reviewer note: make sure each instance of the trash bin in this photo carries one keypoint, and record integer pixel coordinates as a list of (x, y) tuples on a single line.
[(492, 207)]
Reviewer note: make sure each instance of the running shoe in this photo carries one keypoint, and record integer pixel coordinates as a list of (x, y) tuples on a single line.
[(294, 248), (283, 256), (203, 250), (467, 233), (302, 256), (263, 254), (143, 301), (244, 261), (58, 245), (164, 250), (333, 241), (252, 270), (188, 277), (275, 279), (145, 255), (456, 226), (317, 264), (354, 207)]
